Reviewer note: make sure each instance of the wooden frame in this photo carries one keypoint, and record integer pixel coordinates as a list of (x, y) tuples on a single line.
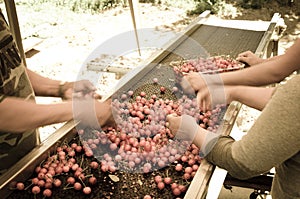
[(14, 26)]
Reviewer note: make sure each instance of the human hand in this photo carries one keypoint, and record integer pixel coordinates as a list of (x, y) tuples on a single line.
[(183, 127), (217, 94), (93, 113), (192, 83), (249, 58), (104, 112), (79, 89), (209, 89)]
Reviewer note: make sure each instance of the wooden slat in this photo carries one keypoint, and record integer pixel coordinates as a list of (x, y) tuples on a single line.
[(132, 12)]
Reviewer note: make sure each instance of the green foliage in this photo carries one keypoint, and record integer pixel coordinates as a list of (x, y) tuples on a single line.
[(255, 4), (202, 5), (184, 4), (149, 1), (95, 6), (91, 6)]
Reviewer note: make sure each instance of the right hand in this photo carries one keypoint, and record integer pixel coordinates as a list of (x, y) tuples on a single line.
[(209, 89), (192, 83), (249, 58), (80, 89)]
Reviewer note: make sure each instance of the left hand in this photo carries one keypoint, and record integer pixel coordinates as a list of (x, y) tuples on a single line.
[(249, 58), (94, 113), (79, 89)]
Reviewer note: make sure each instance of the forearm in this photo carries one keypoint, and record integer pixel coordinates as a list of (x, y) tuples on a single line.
[(255, 97), (271, 71), (200, 137), (272, 58), (43, 86), (18, 115)]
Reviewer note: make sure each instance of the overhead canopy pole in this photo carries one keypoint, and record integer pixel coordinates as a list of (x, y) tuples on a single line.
[(134, 25), (14, 26)]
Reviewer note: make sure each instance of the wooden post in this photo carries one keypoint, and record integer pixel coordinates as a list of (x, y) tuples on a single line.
[(14, 26), (134, 24)]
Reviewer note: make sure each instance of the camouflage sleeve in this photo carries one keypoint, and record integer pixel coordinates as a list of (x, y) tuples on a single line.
[(2, 97)]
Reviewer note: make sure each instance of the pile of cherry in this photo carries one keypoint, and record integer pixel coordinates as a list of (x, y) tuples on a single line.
[(141, 143), (208, 65), (63, 162)]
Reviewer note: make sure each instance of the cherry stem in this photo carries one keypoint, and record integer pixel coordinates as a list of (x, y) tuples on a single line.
[(82, 182), (27, 187), (81, 162)]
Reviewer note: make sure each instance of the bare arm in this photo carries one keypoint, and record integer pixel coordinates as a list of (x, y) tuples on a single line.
[(268, 72), (18, 115), (255, 97), (251, 59), (43, 86)]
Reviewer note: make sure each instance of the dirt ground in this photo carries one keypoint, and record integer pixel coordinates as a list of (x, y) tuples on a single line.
[(290, 15)]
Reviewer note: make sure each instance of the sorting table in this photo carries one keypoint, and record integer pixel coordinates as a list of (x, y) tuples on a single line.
[(206, 36)]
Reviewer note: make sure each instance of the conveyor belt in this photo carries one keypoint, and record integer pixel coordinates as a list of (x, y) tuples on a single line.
[(228, 41), (205, 41), (217, 41)]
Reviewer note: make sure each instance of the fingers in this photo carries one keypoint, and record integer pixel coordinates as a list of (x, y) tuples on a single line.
[(243, 59), (186, 86), (105, 113), (83, 86), (187, 128), (248, 58), (83, 89), (89, 86), (182, 127), (173, 123), (204, 100), (86, 84), (245, 54), (171, 117), (192, 82)]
